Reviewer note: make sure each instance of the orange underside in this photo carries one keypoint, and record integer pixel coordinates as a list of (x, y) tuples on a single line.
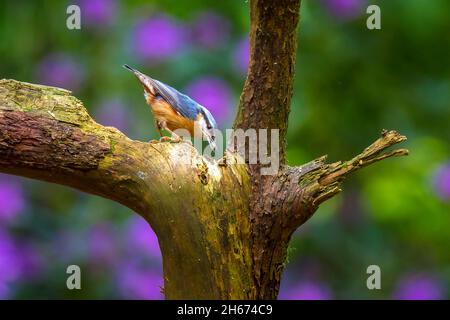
[(164, 113)]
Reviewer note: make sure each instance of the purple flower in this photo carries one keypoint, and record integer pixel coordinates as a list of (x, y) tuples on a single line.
[(32, 263), (11, 198), (442, 181), (210, 29), (213, 93), (418, 287), (97, 13), (18, 261), (345, 9), (10, 264), (60, 70), (307, 290), (142, 238), (157, 38), (136, 282), (9, 258), (103, 248), (241, 55), (114, 113)]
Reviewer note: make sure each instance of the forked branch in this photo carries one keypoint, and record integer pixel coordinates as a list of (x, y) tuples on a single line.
[(319, 181), (373, 153)]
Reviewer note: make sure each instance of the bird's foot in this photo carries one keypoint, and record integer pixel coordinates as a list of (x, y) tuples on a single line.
[(180, 139), (176, 139), (165, 139)]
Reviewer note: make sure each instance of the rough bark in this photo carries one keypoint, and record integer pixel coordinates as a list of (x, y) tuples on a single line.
[(265, 104), (266, 98), (223, 229), (280, 203)]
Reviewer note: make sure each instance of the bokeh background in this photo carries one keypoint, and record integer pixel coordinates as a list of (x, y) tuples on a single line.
[(350, 83)]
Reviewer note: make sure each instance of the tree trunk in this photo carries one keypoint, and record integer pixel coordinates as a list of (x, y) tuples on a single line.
[(223, 229)]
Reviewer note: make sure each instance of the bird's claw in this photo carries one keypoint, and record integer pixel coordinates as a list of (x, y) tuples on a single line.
[(165, 139), (176, 140), (171, 140), (179, 139)]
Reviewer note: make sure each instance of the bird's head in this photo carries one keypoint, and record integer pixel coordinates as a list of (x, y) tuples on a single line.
[(208, 126)]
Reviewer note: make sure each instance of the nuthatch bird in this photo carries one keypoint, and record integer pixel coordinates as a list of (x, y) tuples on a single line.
[(173, 110)]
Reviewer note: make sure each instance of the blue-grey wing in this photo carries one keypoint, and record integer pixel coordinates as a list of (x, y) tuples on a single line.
[(182, 104)]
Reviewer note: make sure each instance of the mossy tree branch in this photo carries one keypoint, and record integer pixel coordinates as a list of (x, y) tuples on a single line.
[(46, 134)]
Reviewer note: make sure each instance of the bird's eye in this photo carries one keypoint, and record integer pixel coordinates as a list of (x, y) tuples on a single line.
[(209, 126), (158, 96)]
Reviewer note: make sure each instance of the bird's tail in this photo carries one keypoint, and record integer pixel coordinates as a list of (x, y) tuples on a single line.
[(129, 68), (154, 87), (146, 81)]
